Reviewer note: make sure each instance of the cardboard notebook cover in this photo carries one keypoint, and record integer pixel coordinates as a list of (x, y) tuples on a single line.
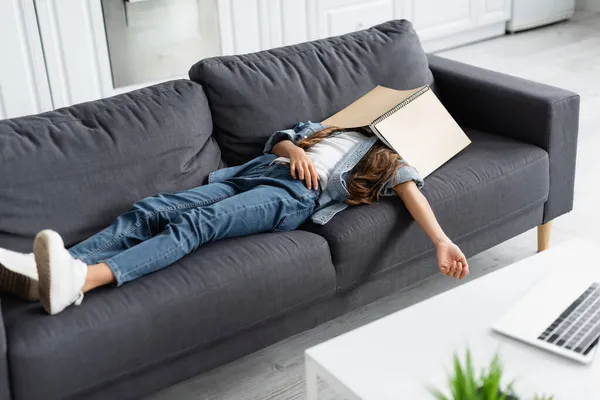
[(414, 123)]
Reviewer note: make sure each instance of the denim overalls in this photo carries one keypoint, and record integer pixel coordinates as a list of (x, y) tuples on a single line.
[(332, 199), (259, 196)]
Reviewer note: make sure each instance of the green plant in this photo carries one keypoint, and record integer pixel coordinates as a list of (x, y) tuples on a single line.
[(465, 385)]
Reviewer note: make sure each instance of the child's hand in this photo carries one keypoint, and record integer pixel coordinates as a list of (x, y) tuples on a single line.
[(302, 167), (451, 260)]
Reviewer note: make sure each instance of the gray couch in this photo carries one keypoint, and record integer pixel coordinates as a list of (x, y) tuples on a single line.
[(76, 168)]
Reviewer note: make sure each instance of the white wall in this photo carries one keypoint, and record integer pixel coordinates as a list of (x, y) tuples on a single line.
[(591, 5)]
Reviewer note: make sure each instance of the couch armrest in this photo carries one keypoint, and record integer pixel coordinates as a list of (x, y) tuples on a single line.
[(4, 377), (538, 114)]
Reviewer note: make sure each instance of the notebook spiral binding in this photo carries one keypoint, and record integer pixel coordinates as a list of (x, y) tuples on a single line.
[(400, 105)]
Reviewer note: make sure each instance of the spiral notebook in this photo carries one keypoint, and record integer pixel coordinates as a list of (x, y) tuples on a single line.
[(414, 123)]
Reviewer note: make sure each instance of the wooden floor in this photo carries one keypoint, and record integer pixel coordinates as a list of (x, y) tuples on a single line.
[(565, 55)]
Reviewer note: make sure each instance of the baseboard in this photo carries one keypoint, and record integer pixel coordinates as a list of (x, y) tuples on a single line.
[(588, 5), (463, 38), (511, 26)]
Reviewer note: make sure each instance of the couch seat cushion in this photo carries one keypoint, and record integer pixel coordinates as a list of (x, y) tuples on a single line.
[(253, 95), (215, 292), (491, 179)]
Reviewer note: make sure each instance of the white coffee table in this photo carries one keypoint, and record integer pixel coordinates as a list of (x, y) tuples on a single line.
[(399, 356)]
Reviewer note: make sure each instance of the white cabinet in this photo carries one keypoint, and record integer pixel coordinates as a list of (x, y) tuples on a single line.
[(23, 83), (443, 24), (75, 44), (76, 57), (78, 54), (527, 14), (494, 11), (439, 18), (440, 24), (336, 17), (252, 25), (243, 26)]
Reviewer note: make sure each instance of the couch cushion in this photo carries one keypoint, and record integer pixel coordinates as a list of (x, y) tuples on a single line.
[(215, 292), (491, 179), (75, 169), (251, 96)]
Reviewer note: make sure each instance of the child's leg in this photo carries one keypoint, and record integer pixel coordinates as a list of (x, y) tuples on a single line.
[(261, 209), (146, 219)]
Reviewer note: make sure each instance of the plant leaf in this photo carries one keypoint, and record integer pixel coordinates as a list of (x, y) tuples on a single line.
[(495, 376), (458, 389), (466, 385), (543, 397), (438, 394), (470, 379)]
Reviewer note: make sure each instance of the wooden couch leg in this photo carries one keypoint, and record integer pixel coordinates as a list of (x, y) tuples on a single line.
[(543, 235)]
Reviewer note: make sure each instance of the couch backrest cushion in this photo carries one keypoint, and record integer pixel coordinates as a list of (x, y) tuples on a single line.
[(253, 95), (75, 169)]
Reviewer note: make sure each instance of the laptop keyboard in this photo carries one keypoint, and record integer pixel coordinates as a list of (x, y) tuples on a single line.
[(578, 328)]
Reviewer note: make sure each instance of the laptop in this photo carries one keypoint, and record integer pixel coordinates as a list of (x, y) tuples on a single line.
[(560, 314)]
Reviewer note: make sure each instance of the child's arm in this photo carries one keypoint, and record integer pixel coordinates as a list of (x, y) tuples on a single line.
[(451, 260), (301, 165)]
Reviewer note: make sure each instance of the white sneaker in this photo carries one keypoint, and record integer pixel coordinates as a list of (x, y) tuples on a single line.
[(61, 276), (18, 275)]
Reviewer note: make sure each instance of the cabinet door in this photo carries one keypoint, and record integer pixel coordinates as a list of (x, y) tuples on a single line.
[(336, 17), (494, 11), (23, 83), (294, 21), (438, 18), (75, 50)]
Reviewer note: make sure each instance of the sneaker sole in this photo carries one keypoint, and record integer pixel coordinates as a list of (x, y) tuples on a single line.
[(18, 284), (42, 259)]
